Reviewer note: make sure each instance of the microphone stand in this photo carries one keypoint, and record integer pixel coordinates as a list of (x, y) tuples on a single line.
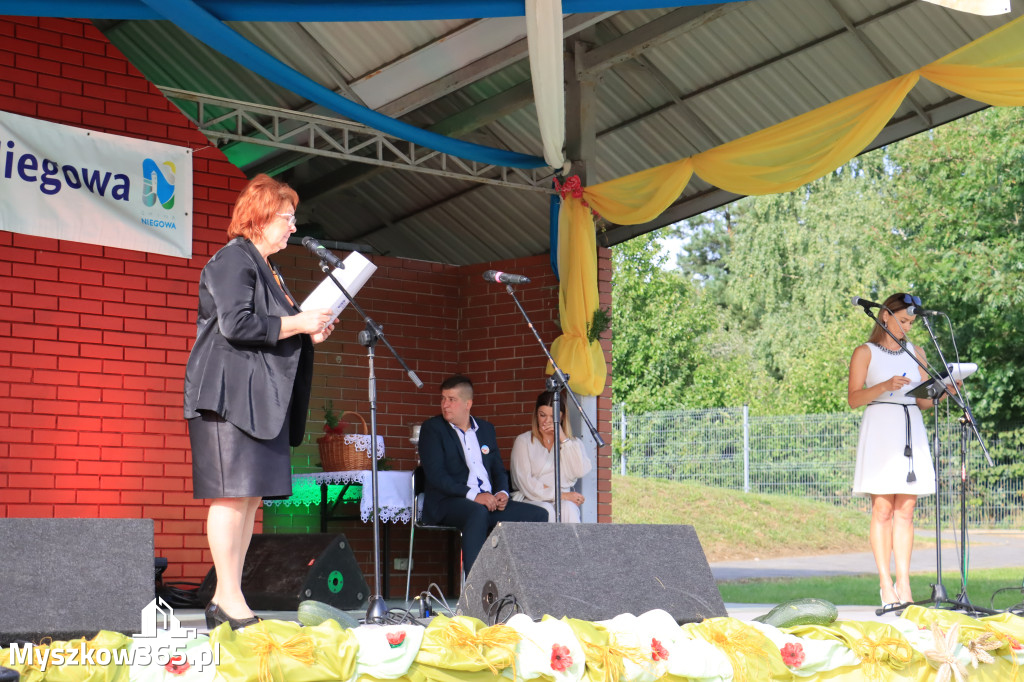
[(556, 382), (377, 607), (939, 594), (959, 399)]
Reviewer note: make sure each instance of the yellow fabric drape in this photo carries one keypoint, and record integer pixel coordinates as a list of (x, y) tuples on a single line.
[(777, 159), (640, 197), (280, 650), (577, 300), (795, 152)]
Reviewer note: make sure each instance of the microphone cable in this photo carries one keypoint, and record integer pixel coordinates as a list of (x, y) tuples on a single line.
[(495, 612)]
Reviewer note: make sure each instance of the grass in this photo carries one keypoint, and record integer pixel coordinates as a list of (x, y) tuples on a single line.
[(981, 585), (733, 525)]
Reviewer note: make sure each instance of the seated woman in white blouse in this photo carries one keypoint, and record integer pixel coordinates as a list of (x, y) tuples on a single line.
[(533, 462)]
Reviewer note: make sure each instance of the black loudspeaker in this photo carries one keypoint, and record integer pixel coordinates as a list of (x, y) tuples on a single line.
[(69, 578), (281, 570), (592, 571)]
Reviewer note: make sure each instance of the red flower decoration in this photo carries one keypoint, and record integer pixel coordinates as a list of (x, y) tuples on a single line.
[(396, 638), (793, 655), (178, 665), (572, 186), (1014, 644), (560, 658), (658, 652)]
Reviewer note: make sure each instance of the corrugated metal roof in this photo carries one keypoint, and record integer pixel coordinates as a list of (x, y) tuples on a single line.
[(735, 69)]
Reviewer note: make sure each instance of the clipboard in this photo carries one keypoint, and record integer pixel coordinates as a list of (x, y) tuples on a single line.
[(930, 389)]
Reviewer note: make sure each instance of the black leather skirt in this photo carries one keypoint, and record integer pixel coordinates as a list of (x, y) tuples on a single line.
[(227, 462)]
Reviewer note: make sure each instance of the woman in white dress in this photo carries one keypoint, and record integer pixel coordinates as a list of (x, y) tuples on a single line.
[(894, 464), (533, 462)]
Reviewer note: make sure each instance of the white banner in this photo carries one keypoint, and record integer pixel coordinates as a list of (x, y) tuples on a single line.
[(84, 186)]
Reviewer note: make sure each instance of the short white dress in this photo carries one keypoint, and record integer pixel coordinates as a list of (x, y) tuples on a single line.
[(888, 422)]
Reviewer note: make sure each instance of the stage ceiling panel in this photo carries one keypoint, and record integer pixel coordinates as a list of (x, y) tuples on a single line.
[(670, 82)]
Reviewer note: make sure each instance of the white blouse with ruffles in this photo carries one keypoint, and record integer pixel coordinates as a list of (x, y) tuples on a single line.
[(533, 467)]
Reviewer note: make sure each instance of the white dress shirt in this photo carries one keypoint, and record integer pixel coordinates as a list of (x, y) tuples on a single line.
[(479, 481)]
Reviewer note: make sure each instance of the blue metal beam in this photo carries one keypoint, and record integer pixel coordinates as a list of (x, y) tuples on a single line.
[(322, 10)]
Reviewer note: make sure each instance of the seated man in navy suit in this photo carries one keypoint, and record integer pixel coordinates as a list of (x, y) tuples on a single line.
[(465, 483)]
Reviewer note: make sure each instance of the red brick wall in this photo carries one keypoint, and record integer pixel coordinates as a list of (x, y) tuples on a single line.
[(96, 338), (604, 401), (442, 320)]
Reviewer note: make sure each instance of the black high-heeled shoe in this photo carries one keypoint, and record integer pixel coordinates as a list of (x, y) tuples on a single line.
[(216, 615)]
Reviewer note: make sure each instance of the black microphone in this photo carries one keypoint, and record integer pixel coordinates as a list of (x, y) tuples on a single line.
[(864, 303), (505, 278), (322, 252), (917, 310)]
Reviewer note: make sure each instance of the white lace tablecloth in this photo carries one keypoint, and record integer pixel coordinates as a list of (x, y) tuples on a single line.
[(394, 487)]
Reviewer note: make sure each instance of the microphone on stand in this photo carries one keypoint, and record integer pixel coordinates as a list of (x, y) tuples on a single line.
[(505, 278), (917, 310), (322, 252), (864, 303)]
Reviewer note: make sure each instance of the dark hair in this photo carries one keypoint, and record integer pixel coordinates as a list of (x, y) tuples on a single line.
[(894, 304), (547, 399), (457, 380)]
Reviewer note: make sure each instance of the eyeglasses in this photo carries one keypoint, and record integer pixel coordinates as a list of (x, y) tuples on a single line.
[(912, 300), (291, 221)]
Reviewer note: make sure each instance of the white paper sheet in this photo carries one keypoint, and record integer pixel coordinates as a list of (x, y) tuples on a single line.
[(356, 273)]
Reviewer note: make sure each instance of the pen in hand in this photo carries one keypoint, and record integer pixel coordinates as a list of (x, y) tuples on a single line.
[(890, 394)]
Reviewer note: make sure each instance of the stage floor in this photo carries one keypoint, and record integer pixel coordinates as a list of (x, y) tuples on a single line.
[(988, 549), (193, 618)]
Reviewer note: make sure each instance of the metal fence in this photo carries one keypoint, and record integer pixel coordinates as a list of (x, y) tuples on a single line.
[(812, 456)]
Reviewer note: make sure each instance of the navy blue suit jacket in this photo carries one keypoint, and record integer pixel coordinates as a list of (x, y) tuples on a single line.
[(445, 471)]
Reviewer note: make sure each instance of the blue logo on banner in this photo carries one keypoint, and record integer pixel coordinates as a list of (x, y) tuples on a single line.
[(158, 183)]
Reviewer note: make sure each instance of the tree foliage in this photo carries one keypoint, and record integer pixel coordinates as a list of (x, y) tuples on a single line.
[(658, 318), (757, 308), (957, 201)]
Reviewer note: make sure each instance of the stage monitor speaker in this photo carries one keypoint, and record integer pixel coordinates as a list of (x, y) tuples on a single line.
[(592, 571), (282, 570), (69, 578)]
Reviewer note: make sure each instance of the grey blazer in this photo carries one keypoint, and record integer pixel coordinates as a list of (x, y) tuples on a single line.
[(238, 368)]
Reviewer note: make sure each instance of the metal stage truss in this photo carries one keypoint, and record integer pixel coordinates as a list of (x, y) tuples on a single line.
[(226, 120)]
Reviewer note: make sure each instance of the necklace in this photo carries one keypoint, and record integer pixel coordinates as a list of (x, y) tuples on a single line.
[(882, 348)]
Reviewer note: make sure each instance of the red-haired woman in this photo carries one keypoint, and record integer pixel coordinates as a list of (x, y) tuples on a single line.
[(894, 464), (247, 383)]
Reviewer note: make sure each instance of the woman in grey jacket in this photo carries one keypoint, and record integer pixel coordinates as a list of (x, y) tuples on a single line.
[(247, 383)]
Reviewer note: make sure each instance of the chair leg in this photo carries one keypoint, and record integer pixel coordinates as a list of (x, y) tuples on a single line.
[(451, 561), (408, 566)]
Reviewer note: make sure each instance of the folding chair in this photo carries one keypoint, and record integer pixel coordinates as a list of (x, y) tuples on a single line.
[(417, 522)]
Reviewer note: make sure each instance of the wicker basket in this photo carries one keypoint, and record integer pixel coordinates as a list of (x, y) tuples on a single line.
[(337, 455)]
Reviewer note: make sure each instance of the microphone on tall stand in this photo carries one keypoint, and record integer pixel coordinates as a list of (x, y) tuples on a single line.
[(322, 252), (919, 311), (505, 278)]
